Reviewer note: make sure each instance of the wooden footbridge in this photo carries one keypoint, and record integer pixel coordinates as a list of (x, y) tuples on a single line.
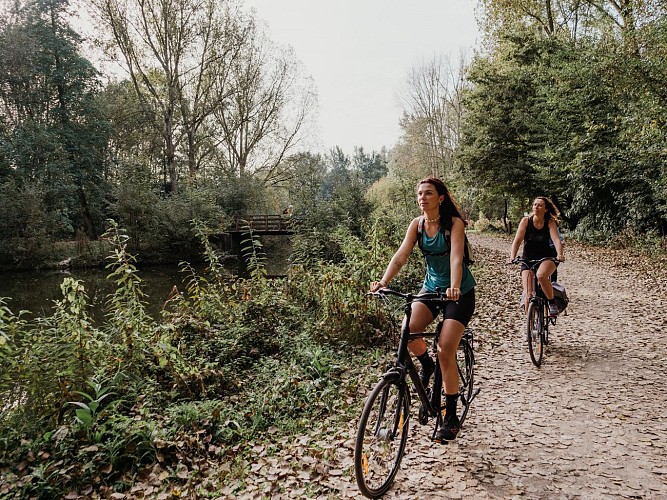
[(264, 224)]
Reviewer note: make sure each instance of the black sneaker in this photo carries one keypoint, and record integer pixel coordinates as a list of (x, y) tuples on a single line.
[(426, 372), (449, 430)]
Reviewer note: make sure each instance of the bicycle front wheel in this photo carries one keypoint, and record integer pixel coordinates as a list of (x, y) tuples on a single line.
[(534, 325), (465, 360), (381, 438)]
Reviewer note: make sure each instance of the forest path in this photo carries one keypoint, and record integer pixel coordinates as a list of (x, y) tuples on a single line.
[(590, 423)]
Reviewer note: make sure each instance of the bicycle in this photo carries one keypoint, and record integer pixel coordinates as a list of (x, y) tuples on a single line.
[(537, 315), (384, 424)]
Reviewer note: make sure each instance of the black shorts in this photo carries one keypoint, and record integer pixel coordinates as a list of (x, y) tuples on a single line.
[(525, 267), (461, 310)]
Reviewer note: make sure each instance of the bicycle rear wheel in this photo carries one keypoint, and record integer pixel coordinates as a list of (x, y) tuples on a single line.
[(534, 326), (381, 437), (465, 360)]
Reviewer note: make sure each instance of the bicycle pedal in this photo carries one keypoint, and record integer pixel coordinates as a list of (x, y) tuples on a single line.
[(440, 441)]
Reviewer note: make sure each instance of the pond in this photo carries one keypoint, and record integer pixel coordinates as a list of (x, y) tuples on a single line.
[(36, 291)]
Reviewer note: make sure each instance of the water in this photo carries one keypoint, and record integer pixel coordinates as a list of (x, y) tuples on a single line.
[(36, 291)]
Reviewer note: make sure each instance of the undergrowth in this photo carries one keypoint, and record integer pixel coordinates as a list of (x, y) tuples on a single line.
[(90, 409)]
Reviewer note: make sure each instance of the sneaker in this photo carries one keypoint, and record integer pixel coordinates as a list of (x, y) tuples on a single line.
[(449, 430), (425, 373), (553, 310)]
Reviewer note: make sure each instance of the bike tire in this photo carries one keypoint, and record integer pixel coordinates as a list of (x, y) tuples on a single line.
[(465, 360), (381, 437), (534, 326)]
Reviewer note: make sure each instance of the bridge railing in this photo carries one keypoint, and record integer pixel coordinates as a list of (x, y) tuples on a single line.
[(263, 223)]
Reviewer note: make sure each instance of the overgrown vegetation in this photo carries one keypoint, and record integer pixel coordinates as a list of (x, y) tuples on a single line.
[(230, 358)]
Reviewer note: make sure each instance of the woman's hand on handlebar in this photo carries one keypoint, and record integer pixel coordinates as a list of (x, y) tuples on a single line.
[(453, 293), (376, 285)]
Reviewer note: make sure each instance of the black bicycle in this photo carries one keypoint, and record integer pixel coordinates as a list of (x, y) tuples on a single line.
[(383, 428), (537, 316)]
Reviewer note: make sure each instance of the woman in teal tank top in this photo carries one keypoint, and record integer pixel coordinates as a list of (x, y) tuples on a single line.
[(445, 270)]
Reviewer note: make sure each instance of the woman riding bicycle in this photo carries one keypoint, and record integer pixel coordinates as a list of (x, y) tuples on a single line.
[(445, 270), (537, 231)]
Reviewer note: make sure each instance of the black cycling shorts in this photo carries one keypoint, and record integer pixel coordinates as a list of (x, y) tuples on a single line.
[(461, 310)]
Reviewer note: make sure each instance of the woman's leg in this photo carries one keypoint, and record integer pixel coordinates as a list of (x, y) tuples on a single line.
[(420, 319), (544, 273), (450, 337), (527, 283)]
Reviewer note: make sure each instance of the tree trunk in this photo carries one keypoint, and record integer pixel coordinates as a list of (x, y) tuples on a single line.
[(89, 226)]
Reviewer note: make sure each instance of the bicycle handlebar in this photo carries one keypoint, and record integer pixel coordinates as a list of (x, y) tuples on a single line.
[(410, 297)]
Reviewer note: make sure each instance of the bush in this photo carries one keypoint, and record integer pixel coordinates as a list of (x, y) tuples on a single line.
[(27, 226)]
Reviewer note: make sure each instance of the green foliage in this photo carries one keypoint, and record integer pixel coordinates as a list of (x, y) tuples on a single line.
[(370, 167), (50, 360), (128, 322), (88, 412), (56, 136), (232, 359), (568, 119), (28, 227), (255, 258), (337, 291), (11, 326), (159, 225)]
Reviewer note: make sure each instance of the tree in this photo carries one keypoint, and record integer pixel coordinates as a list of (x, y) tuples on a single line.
[(303, 187), (54, 131), (260, 122), (432, 113), (175, 52), (575, 119), (369, 167)]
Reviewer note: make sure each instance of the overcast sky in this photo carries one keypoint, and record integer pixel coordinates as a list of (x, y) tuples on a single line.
[(359, 53)]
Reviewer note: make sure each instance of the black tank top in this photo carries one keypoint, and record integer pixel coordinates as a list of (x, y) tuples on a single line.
[(536, 242)]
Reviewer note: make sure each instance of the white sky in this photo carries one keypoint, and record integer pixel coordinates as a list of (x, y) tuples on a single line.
[(359, 53)]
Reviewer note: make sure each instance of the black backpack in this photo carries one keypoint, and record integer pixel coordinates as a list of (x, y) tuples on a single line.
[(467, 247)]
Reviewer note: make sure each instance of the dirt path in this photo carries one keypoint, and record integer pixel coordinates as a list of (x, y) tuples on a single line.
[(590, 423)]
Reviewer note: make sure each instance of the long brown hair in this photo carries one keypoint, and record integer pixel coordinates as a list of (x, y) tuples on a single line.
[(552, 211), (448, 208)]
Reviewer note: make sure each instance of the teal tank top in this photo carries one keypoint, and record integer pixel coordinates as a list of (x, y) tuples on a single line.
[(438, 270)]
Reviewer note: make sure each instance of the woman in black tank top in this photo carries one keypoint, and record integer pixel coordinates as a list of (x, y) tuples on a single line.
[(536, 231), (536, 242)]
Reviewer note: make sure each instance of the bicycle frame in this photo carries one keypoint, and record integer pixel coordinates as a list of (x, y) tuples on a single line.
[(431, 401), (538, 295), (404, 364)]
